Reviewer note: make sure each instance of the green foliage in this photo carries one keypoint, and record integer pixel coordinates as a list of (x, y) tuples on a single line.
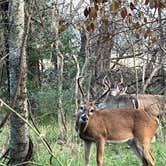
[(70, 40), (46, 101)]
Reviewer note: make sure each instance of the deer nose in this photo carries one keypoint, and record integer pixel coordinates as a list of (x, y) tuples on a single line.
[(84, 117)]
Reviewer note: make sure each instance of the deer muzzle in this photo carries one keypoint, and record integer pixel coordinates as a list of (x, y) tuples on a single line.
[(84, 118)]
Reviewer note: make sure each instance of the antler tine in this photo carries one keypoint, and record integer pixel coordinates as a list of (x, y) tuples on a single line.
[(102, 95), (121, 80), (106, 83), (123, 90), (78, 81)]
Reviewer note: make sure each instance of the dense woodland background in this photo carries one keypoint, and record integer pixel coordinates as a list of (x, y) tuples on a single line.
[(46, 44)]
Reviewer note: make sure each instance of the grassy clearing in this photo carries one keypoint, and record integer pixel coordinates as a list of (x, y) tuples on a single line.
[(72, 152)]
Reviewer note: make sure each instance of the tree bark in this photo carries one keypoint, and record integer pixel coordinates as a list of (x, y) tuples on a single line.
[(19, 139)]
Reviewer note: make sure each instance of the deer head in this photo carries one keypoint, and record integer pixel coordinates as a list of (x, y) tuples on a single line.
[(118, 98), (86, 107)]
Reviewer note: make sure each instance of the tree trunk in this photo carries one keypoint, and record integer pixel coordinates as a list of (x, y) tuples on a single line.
[(19, 139), (101, 52), (59, 63)]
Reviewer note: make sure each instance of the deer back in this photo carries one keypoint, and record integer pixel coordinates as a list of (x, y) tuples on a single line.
[(120, 101), (154, 104)]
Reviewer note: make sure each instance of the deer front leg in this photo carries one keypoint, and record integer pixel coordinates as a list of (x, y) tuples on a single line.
[(100, 150), (87, 152)]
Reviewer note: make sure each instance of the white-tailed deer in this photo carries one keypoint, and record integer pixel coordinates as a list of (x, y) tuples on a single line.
[(136, 127), (153, 104)]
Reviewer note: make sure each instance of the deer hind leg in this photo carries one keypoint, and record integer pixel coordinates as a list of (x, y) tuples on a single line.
[(87, 152), (144, 153), (148, 155)]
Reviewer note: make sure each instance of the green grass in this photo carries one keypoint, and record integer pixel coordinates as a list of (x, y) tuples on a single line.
[(72, 152)]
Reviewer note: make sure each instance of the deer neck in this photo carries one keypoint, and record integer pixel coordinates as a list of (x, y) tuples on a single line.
[(85, 127), (82, 127)]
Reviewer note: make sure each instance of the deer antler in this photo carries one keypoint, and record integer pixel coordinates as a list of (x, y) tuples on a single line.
[(78, 81), (95, 101), (82, 92), (106, 83), (123, 90), (121, 80)]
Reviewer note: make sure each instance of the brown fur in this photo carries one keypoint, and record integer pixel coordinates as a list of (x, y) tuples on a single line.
[(154, 104), (127, 125)]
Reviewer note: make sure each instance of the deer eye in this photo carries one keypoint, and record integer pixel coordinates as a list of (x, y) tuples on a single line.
[(92, 110), (82, 108)]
